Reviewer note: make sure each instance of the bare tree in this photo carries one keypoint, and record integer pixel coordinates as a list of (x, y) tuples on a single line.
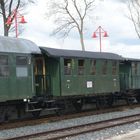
[(134, 10), (70, 14), (6, 9)]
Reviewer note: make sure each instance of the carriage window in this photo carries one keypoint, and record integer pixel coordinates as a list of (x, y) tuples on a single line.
[(67, 66), (4, 68), (93, 67), (104, 67), (80, 67), (135, 67), (114, 67), (39, 66), (21, 60), (21, 66)]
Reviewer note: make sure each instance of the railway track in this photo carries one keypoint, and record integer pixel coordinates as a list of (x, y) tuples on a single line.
[(47, 119), (80, 129)]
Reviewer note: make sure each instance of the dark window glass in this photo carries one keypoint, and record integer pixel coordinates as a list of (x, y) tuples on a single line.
[(39, 66), (135, 68), (114, 67), (104, 67), (21, 66), (21, 60), (67, 66), (93, 67), (4, 68), (3, 60), (80, 67)]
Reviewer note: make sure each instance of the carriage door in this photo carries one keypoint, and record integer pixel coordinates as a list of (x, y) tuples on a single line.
[(125, 72), (40, 82)]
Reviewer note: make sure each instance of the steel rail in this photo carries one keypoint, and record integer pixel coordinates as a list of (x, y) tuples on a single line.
[(48, 119), (80, 129)]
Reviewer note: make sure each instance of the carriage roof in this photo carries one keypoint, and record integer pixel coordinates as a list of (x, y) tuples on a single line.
[(80, 54), (14, 45)]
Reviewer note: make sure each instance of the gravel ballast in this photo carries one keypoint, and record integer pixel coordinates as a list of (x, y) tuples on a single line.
[(72, 122), (108, 133)]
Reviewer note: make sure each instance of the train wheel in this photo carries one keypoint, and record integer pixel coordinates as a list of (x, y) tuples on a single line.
[(36, 114), (138, 99), (78, 104), (98, 106), (61, 105), (2, 112), (110, 101), (130, 100), (8, 113), (100, 102)]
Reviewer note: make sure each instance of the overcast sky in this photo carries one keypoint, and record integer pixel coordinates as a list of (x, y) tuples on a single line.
[(110, 14)]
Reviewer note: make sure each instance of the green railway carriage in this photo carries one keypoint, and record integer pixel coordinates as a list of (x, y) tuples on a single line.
[(16, 73), (81, 74), (130, 77), (34, 78), (16, 69)]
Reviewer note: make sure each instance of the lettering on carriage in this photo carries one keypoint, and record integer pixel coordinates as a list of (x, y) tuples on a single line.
[(89, 84)]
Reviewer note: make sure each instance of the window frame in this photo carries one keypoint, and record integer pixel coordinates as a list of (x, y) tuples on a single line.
[(81, 68), (114, 67), (21, 66), (105, 67), (135, 68), (4, 66), (93, 63), (67, 67)]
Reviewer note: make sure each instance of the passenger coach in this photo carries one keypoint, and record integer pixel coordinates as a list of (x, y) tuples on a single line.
[(78, 76), (35, 78), (130, 79), (16, 75)]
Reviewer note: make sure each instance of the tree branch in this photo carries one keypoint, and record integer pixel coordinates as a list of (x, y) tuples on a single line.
[(68, 18), (10, 7), (132, 16), (68, 12), (87, 6), (62, 27), (75, 5)]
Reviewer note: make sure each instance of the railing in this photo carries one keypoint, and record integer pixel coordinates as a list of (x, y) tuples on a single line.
[(43, 84)]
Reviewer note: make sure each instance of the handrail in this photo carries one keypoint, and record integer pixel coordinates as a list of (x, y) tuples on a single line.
[(43, 84)]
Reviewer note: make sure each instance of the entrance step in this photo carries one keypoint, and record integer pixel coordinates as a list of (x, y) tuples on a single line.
[(50, 101), (33, 110), (51, 109)]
